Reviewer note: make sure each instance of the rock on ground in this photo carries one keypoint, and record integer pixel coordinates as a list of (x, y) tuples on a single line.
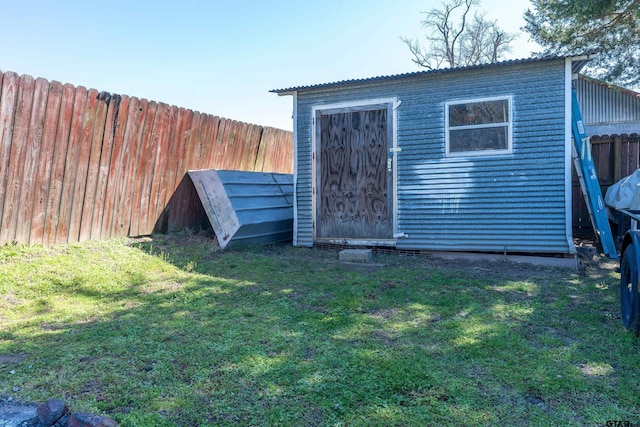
[(14, 414)]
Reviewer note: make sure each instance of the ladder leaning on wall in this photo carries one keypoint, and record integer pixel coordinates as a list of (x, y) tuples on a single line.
[(586, 171)]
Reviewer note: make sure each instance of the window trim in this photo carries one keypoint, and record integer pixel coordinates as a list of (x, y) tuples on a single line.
[(509, 124)]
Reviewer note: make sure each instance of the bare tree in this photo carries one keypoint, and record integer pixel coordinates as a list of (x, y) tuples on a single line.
[(455, 38)]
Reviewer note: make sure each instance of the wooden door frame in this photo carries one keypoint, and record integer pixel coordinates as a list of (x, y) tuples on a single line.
[(392, 105)]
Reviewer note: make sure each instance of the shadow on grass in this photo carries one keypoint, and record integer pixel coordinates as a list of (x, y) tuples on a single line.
[(283, 336)]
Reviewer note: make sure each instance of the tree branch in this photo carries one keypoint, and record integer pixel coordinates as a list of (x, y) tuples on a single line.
[(456, 39)]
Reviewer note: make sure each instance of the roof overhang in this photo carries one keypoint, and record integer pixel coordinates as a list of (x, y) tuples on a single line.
[(285, 92), (578, 62)]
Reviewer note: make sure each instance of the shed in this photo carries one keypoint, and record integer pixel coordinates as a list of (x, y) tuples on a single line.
[(608, 109), (471, 159)]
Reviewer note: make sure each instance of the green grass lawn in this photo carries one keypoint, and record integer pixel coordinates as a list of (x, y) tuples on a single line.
[(171, 331)]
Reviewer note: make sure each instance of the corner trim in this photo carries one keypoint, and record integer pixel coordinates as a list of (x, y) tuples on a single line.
[(295, 166), (568, 205)]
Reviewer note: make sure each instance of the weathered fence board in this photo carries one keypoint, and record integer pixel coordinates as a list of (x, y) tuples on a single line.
[(252, 138), (133, 139), (631, 150), (185, 125), (70, 161), (615, 157), (95, 140), (30, 164), (262, 152), (83, 172), (79, 164), (102, 147), (221, 136), (178, 149), (209, 134), (159, 165), (179, 209), (140, 204), (167, 165), (43, 177), (8, 99), (52, 214), (231, 148), (17, 158), (110, 150)]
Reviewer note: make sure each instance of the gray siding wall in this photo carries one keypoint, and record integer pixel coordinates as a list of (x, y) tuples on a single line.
[(607, 109), (513, 202)]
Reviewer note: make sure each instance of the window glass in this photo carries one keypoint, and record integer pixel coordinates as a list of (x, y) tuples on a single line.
[(494, 138), (479, 113), (478, 126)]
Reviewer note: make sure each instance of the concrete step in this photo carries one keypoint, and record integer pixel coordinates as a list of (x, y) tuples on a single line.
[(356, 255)]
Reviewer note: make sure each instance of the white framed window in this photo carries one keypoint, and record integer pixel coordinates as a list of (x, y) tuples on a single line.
[(477, 127)]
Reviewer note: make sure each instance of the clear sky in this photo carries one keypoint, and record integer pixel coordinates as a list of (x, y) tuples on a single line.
[(220, 57)]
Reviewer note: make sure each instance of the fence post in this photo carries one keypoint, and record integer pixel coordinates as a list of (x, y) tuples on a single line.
[(617, 158)]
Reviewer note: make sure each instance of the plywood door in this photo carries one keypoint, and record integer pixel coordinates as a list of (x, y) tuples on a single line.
[(353, 197)]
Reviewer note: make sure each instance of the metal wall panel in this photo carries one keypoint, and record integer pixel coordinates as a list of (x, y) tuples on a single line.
[(246, 208), (511, 202), (607, 109)]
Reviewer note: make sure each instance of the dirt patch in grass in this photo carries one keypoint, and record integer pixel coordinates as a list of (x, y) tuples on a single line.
[(385, 313), (6, 359), (384, 337)]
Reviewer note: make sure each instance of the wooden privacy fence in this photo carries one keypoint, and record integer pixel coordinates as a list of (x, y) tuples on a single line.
[(614, 156), (78, 164)]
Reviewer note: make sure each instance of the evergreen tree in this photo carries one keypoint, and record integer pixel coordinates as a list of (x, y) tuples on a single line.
[(611, 27)]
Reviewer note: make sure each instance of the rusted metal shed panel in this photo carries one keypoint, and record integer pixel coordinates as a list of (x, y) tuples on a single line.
[(246, 207)]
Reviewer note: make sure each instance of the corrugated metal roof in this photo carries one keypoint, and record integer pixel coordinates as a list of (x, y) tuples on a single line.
[(579, 63)]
